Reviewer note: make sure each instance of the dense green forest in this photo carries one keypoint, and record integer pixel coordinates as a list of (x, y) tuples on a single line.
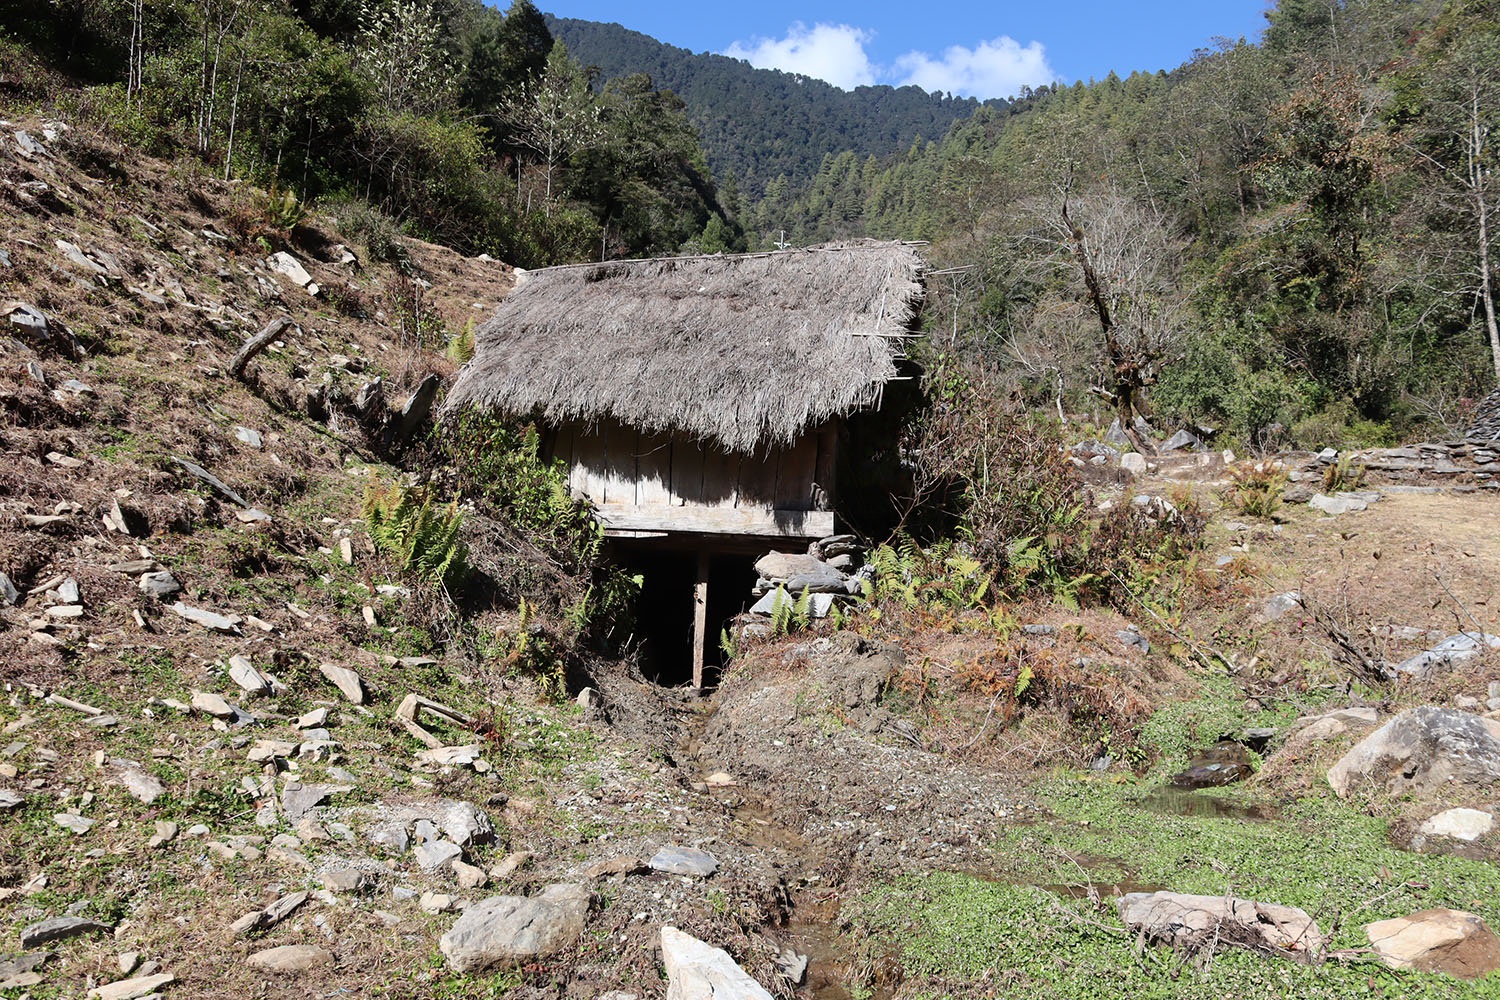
[(765, 127), (1289, 239), (1293, 240), (447, 118)]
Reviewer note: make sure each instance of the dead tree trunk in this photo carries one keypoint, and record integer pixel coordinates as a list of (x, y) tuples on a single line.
[(1127, 388)]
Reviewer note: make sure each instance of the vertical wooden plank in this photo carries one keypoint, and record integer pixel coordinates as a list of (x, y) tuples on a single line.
[(720, 480), (655, 470), (686, 486), (620, 446), (826, 472), (757, 486), (588, 452), (795, 473), (700, 617)]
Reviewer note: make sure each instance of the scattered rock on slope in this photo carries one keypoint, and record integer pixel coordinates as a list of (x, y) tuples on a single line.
[(505, 930), (1449, 941), (1192, 923), (698, 971), (1421, 751)]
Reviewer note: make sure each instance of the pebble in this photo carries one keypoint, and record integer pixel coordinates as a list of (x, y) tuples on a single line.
[(73, 822)]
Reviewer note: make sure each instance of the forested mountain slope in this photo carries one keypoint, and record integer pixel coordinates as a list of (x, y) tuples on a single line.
[(1293, 238), (760, 124)]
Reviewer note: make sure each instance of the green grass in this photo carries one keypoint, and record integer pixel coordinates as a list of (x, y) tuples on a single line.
[(960, 935)]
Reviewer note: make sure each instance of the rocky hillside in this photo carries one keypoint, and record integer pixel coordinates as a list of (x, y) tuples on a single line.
[(244, 751)]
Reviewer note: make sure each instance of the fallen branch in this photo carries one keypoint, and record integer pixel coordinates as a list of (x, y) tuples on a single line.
[(1201, 652), (1348, 650), (256, 344)]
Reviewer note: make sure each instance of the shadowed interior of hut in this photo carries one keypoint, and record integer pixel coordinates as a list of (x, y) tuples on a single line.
[(665, 609)]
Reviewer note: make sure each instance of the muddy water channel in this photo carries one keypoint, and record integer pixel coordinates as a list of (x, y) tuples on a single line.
[(839, 811)]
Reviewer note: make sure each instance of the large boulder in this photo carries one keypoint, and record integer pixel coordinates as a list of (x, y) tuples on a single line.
[(1193, 923), (698, 971), (508, 930), (1450, 941), (799, 572), (1421, 751)]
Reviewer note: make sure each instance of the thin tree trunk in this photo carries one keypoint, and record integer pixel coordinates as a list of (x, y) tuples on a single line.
[(234, 113), (1481, 210)]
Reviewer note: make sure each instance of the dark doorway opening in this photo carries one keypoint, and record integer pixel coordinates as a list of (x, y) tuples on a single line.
[(730, 581), (664, 610)]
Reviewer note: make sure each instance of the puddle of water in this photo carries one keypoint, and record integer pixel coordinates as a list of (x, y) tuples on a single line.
[(1177, 802), (758, 818)]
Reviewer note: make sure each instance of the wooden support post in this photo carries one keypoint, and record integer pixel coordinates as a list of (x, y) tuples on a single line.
[(700, 617)]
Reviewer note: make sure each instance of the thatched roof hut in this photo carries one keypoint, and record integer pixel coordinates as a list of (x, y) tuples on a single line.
[(742, 351)]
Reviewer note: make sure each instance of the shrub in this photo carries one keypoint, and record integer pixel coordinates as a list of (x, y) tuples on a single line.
[(1027, 516), (499, 466), (404, 524), (1343, 474), (1255, 487)]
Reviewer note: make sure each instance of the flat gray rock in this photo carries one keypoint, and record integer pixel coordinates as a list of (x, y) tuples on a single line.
[(297, 800), (60, 929), (135, 780), (29, 317), (1451, 651), (131, 989), (437, 854), (465, 823), (508, 930), (1333, 506), (347, 681), (1467, 825), (208, 619), (160, 584), (684, 861), (243, 673), (10, 800), (74, 823), (212, 704), (199, 472), (1281, 604), (290, 958)]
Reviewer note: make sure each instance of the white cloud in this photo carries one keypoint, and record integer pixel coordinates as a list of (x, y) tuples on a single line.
[(996, 68), (831, 52)]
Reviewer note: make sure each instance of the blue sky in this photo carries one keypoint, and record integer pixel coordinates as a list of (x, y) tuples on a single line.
[(976, 49)]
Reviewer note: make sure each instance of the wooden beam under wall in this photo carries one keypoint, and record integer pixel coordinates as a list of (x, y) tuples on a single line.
[(700, 617)]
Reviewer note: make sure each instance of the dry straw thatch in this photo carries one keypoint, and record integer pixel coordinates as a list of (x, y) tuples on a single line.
[(746, 350)]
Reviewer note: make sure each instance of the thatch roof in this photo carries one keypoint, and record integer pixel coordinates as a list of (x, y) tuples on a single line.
[(742, 350)]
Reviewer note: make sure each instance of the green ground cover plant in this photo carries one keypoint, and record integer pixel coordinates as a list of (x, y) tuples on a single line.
[(1043, 922)]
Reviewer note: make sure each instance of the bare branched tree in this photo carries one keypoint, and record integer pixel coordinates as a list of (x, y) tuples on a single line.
[(1120, 267), (554, 116)]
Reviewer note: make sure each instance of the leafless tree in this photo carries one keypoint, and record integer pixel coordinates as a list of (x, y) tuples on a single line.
[(1119, 265)]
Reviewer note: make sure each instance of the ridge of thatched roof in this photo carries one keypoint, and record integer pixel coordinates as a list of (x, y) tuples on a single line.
[(744, 350)]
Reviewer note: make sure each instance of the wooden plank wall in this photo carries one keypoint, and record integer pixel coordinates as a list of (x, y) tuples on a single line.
[(619, 467)]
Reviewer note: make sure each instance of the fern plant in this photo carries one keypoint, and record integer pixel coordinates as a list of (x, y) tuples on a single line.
[(405, 525)]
